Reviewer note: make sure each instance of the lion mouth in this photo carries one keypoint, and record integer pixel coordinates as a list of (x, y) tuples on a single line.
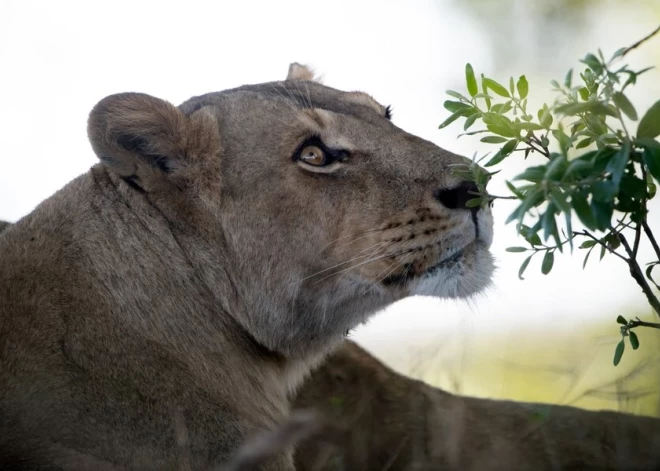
[(408, 274)]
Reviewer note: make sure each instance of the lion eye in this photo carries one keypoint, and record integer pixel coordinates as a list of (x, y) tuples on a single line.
[(314, 155)]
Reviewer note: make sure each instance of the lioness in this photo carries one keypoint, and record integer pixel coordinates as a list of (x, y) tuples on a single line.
[(156, 311), (381, 420)]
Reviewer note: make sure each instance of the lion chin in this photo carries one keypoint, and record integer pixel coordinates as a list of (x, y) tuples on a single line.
[(454, 277)]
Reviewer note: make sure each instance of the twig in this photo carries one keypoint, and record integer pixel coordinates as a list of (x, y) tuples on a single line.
[(636, 273), (649, 234), (641, 41), (638, 323)]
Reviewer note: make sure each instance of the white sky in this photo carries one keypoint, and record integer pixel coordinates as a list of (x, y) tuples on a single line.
[(57, 59)]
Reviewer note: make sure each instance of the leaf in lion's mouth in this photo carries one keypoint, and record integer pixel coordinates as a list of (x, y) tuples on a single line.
[(407, 274)]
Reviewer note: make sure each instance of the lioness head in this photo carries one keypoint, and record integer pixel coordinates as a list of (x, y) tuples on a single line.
[(322, 209)]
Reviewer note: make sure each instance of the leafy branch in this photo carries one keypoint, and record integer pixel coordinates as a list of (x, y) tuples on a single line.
[(594, 167)]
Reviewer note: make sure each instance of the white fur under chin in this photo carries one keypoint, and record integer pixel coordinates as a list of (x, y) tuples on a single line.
[(452, 282)]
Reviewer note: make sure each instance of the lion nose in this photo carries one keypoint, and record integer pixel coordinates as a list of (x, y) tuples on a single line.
[(455, 198)]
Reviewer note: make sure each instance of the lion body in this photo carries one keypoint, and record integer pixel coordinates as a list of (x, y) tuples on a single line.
[(156, 312), (379, 419)]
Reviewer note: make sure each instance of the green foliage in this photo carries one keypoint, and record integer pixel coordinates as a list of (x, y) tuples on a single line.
[(597, 174)]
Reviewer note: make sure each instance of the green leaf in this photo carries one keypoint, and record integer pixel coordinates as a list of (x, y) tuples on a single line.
[(473, 203), (621, 320), (516, 249), (494, 139), (619, 53), (454, 106), (522, 86), (470, 80), (568, 80), (528, 126), (496, 87), (603, 214), (523, 267), (634, 341), (549, 223), (532, 174), (583, 210), (470, 121), (584, 93), (513, 189), (617, 164), (651, 156), (502, 153), (593, 63), (649, 126), (559, 199), (624, 105), (593, 107), (588, 244), (457, 95), (511, 86), (618, 352), (556, 168), (586, 258), (453, 118), (548, 261), (586, 142)]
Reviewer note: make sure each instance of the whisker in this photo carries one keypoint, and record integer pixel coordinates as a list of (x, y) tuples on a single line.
[(347, 261)]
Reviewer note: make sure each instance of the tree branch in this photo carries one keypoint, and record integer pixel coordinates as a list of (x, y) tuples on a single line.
[(636, 273)]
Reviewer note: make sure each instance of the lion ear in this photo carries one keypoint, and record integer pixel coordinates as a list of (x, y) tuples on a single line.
[(301, 72), (150, 141)]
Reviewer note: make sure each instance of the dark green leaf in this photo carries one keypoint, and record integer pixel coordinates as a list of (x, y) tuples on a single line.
[(649, 126), (618, 352), (496, 87), (516, 249), (624, 105), (603, 251), (556, 168), (523, 267), (549, 223), (548, 261), (588, 244), (651, 156), (522, 86), (583, 210), (603, 214), (494, 139), (559, 199), (513, 189), (470, 80), (634, 341), (617, 164), (621, 320), (586, 258), (649, 274)]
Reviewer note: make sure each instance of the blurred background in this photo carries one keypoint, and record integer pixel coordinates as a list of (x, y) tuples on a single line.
[(547, 338)]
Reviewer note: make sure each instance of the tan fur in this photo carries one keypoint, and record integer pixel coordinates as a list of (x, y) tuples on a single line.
[(156, 311), (382, 420)]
